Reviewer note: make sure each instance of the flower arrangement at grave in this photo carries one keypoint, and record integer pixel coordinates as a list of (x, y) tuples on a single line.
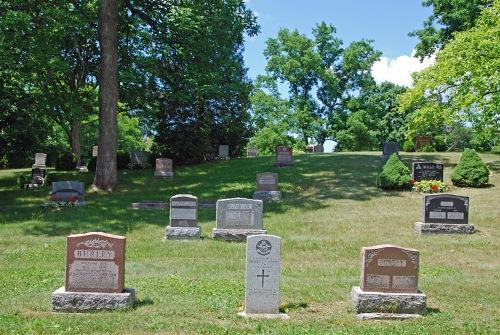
[(59, 204), (430, 186)]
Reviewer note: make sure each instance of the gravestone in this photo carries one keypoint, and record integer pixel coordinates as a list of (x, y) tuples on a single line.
[(284, 156), (163, 168), (183, 218), (267, 187), (38, 177), (238, 218), (315, 148), (422, 141), (426, 171), (40, 160), (389, 284), (388, 149), (140, 158), (224, 151), (94, 151), (149, 204), (68, 191), (252, 152), (262, 279), (95, 274), (444, 214)]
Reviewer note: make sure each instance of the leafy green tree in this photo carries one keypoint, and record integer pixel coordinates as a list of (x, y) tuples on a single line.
[(448, 17)]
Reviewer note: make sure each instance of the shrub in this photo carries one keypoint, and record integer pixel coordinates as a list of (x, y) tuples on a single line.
[(394, 175), (409, 146), (122, 160), (495, 149), (440, 143), (470, 171), (428, 148), (91, 164), (66, 162)]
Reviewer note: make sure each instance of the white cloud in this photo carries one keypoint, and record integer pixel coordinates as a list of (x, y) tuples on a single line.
[(399, 69)]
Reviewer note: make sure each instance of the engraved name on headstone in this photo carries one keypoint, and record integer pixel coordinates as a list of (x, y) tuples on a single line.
[(284, 156), (95, 262), (445, 208), (389, 268), (427, 171)]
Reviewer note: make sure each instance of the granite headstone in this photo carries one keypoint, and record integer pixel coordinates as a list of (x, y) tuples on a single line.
[(183, 218), (40, 161), (68, 191), (163, 168), (427, 171), (224, 151), (284, 156), (267, 187)]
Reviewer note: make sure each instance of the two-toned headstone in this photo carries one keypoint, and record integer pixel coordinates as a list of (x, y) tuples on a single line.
[(389, 284), (183, 218), (68, 191), (95, 274), (262, 279), (238, 218), (284, 156), (427, 171), (223, 151), (40, 161), (267, 187), (163, 168), (444, 214)]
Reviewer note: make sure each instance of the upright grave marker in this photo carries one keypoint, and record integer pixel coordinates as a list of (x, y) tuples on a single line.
[(267, 187), (426, 171), (422, 141), (183, 218), (163, 168), (224, 151), (40, 161), (315, 148), (95, 149), (284, 156), (389, 284), (95, 274), (444, 214), (238, 218), (262, 280), (252, 152), (389, 148), (68, 191), (140, 158)]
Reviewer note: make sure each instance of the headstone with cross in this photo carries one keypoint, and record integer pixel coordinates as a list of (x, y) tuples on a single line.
[(262, 284)]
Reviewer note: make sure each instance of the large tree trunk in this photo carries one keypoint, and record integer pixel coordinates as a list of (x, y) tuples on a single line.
[(106, 172), (75, 131)]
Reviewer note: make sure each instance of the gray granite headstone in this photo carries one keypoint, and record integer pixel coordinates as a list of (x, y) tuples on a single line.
[(224, 151), (267, 187), (140, 158), (427, 171), (68, 191), (262, 283), (284, 156), (238, 218), (183, 217), (40, 161)]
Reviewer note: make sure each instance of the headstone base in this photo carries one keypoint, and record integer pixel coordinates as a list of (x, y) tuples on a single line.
[(34, 166), (81, 302), (163, 174), (83, 169), (183, 233), (386, 316), (149, 205), (388, 303), (443, 228), (281, 316), (267, 195), (237, 235), (32, 185)]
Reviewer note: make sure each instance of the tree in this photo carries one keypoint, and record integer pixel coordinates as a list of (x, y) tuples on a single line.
[(106, 170), (448, 17), (463, 86)]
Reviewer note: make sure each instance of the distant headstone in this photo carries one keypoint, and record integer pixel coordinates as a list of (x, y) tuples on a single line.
[(252, 152), (422, 141), (389, 283), (224, 151), (95, 274), (262, 284), (267, 187), (68, 191), (163, 168), (444, 214), (183, 218), (389, 148), (40, 160), (94, 151), (150, 204), (140, 158), (315, 148), (238, 218), (38, 177), (427, 171), (284, 156)]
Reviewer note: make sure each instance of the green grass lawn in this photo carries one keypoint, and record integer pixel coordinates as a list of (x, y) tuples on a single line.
[(330, 209)]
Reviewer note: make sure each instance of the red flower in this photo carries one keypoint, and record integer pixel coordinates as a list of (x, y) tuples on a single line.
[(73, 199), (434, 187)]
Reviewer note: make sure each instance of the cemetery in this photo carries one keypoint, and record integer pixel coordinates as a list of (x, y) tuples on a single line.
[(249, 167)]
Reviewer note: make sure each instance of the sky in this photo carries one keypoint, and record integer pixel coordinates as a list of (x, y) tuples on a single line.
[(386, 22)]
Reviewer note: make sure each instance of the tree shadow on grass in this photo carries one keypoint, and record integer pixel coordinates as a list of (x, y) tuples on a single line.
[(142, 302), (429, 311)]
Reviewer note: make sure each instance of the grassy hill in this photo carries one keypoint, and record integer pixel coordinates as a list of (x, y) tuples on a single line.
[(330, 209)]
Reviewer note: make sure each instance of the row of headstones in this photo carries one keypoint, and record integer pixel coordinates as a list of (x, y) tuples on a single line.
[(95, 277)]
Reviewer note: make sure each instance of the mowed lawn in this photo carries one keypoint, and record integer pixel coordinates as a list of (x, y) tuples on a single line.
[(330, 209)]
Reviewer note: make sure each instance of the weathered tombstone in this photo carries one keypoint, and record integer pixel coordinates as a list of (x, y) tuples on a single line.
[(38, 177), (389, 284), (267, 187), (426, 171), (284, 156), (140, 158), (252, 152), (238, 218), (315, 148), (388, 149), (95, 150), (262, 280), (95, 274), (224, 151), (444, 214), (40, 160), (68, 191), (422, 141), (149, 204), (183, 218), (163, 168)]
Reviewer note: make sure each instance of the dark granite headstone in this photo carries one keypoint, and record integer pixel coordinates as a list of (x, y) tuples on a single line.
[(390, 148), (427, 171), (445, 208)]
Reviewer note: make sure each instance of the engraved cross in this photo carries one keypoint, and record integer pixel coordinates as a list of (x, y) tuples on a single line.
[(262, 276)]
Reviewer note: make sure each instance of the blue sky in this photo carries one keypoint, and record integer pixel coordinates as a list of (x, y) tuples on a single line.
[(386, 22)]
